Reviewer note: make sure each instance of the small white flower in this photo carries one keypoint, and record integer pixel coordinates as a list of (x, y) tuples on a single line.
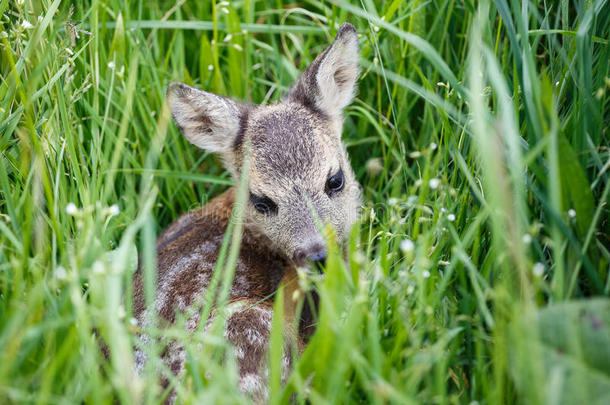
[(111, 65), (443, 210), (224, 10), (433, 145), (60, 273), (426, 274), (210, 67), (434, 183), (98, 267), (538, 269), (114, 210), (133, 322), (228, 37), (21, 2), (410, 289), (71, 208), (527, 239), (572, 213), (393, 201), (406, 245), (25, 24), (451, 217), (238, 47), (375, 28), (374, 166)]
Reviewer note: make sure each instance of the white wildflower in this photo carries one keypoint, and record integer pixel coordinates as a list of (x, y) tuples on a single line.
[(25, 24), (410, 289), (228, 38), (238, 47), (433, 145), (527, 238), (210, 67), (114, 210), (111, 65), (451, 217), (98, 267), (572, 213), (434, 183), (374, 166), (60, 273), (426, 274), (71, 208), (538, 269), (407, 245)]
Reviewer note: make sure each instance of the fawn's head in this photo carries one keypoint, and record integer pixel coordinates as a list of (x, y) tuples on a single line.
[(300, 177)]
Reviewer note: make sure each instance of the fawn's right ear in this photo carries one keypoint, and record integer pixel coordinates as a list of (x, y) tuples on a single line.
[(208, 121)]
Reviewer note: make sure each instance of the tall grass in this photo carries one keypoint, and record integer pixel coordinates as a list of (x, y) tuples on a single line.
[(479, 134)]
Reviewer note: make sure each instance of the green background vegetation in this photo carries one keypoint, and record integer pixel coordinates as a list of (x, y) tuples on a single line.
[(479, 134)]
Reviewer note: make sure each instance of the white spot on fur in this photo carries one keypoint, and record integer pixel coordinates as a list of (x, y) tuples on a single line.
[(253, 384), (196, 260)]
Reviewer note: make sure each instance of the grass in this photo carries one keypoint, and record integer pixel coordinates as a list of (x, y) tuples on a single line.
[(479, 135)]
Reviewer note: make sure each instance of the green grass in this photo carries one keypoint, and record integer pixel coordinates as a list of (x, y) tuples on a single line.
[(479, 133)]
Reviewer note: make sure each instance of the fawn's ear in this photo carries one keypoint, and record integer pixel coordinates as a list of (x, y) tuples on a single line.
[(329, 83), (208, 121)]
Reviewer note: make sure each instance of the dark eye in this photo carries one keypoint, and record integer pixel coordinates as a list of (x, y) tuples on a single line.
[(335, 183), (263, 204)]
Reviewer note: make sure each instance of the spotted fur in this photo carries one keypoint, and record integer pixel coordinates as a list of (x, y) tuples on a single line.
[(294, 147)]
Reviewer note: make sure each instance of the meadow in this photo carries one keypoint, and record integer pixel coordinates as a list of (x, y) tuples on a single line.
[(478, 272)]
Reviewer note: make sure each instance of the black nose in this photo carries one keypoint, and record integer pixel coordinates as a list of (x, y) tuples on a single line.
[(314, 252)]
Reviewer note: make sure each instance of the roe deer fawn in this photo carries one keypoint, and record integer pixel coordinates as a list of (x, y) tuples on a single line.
[(299, 176)]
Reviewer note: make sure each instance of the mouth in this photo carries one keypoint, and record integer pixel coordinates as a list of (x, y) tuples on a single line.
[(312, 268), (319, 265)]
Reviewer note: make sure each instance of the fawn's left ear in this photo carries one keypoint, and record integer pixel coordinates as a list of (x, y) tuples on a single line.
[(329, 83)]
